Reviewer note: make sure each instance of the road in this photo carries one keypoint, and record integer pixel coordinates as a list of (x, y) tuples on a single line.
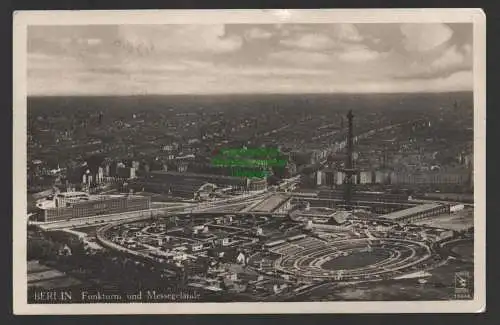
[(178, 207)]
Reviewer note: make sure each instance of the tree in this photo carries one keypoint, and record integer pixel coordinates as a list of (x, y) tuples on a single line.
[(42, 249), (77, 247)]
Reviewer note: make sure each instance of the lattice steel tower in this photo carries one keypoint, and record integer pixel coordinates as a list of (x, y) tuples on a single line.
[(349, 164)]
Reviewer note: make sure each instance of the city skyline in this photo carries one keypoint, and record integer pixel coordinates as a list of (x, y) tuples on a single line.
[(249, 59)]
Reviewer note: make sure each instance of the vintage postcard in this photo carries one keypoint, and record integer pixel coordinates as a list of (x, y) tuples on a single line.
[(249, 161)]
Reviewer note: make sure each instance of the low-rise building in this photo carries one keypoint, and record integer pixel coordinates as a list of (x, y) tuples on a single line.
[(417, 213), (437, 234)]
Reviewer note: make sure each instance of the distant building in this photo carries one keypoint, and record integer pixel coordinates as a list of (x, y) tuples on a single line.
[(455, 177), (186, 184), (182, 166), (303, 157), (329, 177), (366, 177), (340, 177), (320, 177), (382, 177), (125, 172), (100, 175), (113, 169)]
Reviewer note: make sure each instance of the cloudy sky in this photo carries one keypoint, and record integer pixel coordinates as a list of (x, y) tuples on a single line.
[(214, 59)]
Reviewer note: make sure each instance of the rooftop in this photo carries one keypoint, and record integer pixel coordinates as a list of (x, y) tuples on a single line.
[(187, 174), (72, 194), (410, 211), (271, 203), (316, 211)]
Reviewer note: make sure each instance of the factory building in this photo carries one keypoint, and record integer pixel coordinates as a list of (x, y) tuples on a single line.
[(340, 176)]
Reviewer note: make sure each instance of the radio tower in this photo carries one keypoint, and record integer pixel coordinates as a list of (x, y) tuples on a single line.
[(349, 166)]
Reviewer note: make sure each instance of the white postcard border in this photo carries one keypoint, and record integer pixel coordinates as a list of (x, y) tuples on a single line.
[(22, 19)]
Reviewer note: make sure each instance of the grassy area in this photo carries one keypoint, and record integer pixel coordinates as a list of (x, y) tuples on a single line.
[(42, 276), (463, 250), (356, 260)]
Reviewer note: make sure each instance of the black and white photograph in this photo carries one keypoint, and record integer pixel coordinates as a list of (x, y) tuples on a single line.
[(305, 160)]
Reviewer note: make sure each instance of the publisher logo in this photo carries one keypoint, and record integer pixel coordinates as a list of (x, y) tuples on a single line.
[(463, 285)]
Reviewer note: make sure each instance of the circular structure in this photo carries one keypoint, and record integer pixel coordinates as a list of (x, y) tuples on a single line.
[(351, 254), (351, 259)]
